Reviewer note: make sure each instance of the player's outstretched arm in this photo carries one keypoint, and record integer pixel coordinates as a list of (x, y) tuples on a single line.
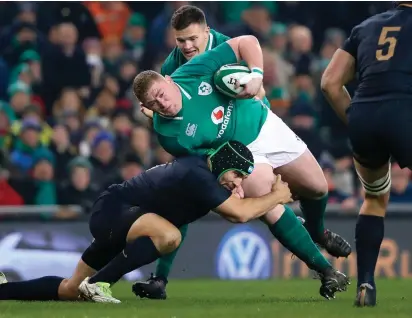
[(340, 71), (244, 210)]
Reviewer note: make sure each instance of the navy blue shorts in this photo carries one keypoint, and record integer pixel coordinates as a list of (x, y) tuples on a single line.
[(109, 224), (381, 130)]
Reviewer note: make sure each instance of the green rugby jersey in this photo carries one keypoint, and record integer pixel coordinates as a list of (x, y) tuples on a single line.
[(167, 129)]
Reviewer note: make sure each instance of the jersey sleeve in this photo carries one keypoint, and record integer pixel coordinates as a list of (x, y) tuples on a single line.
[(209, 62), (351, 43), (204, 188)]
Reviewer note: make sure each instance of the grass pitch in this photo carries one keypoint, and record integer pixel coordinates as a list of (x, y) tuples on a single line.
[(227, 299)]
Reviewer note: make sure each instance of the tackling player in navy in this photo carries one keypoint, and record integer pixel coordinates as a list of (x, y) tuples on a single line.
[(136, 222), (379, 119)]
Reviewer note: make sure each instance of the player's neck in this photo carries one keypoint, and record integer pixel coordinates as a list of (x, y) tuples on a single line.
[(405, 5)]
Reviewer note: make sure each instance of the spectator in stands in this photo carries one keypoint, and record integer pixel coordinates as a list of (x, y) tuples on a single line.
[(302, 58), (69, 101), (90, 130), (37, 186), (32, 59), (110, 17), (130, 166), (122, 124), (6, 120), (25, 147), (63, 151), (159, 25), (33, 112), (43, 177), (336, 196), (19, 37), (303, 123), (141, 145), (113, 51), (134, 36), (401, 189), (103, 159), (104, 106), (127, 71), (78, 188), (20, 94), (67, 60)]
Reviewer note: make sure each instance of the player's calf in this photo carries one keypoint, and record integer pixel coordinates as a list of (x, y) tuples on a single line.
[(369, 231), (306, 179)]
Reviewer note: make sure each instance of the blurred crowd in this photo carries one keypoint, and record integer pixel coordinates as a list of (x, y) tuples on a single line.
[(70, 125)]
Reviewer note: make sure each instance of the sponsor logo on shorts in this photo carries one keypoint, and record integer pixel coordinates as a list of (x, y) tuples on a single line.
[(243, 254), (205, 89), (250, 170), (226, 120), (217, 115), (191, 130)]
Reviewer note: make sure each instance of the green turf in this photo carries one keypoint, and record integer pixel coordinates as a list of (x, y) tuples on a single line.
[(226, 299)]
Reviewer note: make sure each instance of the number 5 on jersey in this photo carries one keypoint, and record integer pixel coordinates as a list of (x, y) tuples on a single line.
[(385, 38)]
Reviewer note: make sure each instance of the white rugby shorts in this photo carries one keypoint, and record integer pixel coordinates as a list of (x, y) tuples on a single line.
[(276, 144)]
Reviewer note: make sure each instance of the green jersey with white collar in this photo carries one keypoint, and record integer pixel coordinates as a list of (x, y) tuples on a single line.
[(167, 129), (208, 118)]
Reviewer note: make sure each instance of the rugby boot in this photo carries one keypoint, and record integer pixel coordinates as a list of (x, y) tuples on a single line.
[(3, 279), (332, 281), (153, 288), (334, 244), (98, 292), (366, 296)]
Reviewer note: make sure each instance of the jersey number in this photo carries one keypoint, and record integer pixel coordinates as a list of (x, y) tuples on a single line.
[(384, 39)]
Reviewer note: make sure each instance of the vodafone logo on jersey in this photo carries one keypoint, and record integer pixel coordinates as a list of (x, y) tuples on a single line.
[(217, 115)]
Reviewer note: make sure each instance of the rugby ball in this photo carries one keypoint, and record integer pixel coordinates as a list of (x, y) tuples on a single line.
[(227, 76)]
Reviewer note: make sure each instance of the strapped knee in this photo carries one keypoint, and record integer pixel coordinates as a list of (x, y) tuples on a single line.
[(378, 187)]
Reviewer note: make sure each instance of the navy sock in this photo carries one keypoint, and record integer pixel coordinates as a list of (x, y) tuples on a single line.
[(136, 254), (43, 288), (368, 236)]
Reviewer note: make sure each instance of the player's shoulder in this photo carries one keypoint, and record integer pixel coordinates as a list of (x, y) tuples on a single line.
[(192, 164), (218, 38), (377, 19), (172, 62), (192, 161)]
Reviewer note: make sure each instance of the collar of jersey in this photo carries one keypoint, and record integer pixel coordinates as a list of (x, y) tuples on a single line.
[(209, 45)]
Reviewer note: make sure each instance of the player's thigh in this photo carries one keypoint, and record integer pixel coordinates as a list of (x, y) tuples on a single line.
[(304, 176), (260, 183), (278, 146), (398, 130), (367, 135)]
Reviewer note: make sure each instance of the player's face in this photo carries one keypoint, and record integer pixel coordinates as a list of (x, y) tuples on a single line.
[(232, 179), (163, 98), (192, 40)]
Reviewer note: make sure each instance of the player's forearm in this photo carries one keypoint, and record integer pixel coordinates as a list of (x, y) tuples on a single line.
[(249, 50), (253, 208), (339, 99)]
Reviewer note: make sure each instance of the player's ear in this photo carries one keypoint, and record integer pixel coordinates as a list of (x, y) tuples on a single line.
[(168, 79), (207, 30)]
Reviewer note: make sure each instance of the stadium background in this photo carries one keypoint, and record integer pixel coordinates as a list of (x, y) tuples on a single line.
[(69, 126)]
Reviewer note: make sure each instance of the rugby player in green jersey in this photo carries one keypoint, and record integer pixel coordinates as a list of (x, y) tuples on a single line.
[(190, 116)]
